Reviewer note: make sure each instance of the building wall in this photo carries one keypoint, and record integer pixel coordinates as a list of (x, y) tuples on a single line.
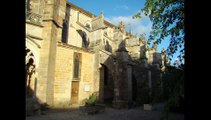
[(76, 16), (134, 55), (109, 32), (74, 38), (84, 18), (45, 33), (54, 60), (64, 74)]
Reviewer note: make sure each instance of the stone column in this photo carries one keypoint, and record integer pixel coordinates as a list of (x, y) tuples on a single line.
[(123, 81), (101, 88), (35, 86), (129, 82), (78, 16), (149, 78), (161, 82), (116, 87), (150, 83)]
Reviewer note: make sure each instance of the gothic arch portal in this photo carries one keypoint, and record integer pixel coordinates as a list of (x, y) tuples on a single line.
[(106, 84), (30, 69)]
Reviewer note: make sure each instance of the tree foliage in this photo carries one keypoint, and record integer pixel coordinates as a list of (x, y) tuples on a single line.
[(92, 100), (167, 17), (168, 20), (173, 81)]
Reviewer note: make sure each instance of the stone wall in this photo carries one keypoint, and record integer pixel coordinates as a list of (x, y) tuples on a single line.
[(83, 19), (34, 30), (59, 11), (96, 38), (134, 55), (48, 10), (77, 22), (109, 32), (98, 22), (44, 61), (64, 74), (73, 16), (74, 37), (54, 60), (51, 33), (141, 79)]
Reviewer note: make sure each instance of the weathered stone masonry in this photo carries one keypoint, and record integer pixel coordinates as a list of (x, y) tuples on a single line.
[(113, 63)]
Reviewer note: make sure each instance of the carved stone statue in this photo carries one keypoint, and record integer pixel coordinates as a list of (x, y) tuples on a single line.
[(136, 35), (102, 13), (163, 51), (154, 47), (93, 16), (142, 36), (143, 39), (122, 26)]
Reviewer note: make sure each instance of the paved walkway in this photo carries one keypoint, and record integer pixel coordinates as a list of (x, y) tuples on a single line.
[(110, 114)]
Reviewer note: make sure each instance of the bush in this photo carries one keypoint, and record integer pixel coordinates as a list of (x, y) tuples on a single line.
[(91, 101)]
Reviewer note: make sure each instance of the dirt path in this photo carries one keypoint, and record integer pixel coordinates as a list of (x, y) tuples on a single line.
[(109, 114)]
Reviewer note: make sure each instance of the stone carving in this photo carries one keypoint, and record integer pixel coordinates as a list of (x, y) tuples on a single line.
[(88, 26), (154, 47), (125, 56), (167, 61), (143, 39), (102, 13), (32, 12), (122, 26), (33, 17), (136, 35), (163, 52), (105, 33), (142, 36), (30, 72), (97, 42), (108, 47)]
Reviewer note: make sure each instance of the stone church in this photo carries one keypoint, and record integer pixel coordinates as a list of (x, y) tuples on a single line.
[(72, 53)]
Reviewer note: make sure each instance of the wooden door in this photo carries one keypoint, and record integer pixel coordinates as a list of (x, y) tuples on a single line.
[(74, 92)]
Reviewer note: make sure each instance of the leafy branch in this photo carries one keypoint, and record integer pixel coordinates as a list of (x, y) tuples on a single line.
[(168, 20)]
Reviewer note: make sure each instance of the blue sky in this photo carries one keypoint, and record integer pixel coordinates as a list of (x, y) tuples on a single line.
[(122, 10)]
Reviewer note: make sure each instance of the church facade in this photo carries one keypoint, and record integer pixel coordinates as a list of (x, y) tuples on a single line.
[(72, 53)]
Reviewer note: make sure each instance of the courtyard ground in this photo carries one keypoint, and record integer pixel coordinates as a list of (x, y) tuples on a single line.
[(109, 114)]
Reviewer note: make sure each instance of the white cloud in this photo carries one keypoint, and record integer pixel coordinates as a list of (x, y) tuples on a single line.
[(139, 26)]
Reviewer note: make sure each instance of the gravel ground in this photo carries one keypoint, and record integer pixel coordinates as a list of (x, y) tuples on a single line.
[(109, 114)]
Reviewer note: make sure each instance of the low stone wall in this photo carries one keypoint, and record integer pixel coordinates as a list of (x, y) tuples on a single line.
[(87, 110)]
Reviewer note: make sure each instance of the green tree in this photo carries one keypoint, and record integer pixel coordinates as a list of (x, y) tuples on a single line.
[(168, 20), (167, 17), (173, 82)]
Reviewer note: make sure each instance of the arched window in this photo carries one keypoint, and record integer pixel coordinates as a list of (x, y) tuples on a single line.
[(64, 31), (105, 75), (77, 65), (105, 33), (65, 25), (88, 26)]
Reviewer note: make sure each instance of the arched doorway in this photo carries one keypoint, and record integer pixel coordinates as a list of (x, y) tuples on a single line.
[(106, 85), (30, 69)]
